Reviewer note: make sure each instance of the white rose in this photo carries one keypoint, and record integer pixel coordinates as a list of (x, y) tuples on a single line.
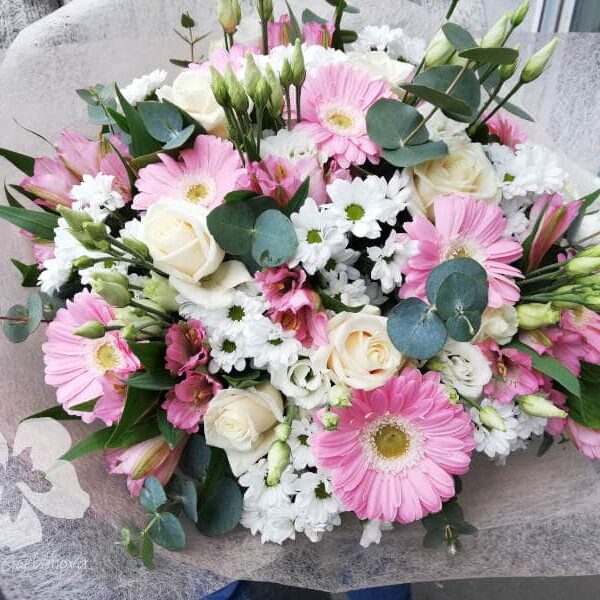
[(359, 354), (180, 244), (465, 368), (466, 170), (242, 422), (379, 65), (501, 324), (192, 91), (304, 381)]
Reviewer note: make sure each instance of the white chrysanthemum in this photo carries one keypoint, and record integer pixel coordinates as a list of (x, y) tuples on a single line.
[(408, 48), (237, 319), (301, 454), (318, 237), (314, 56), (266, 496), (142, 87), (317, 509), (372, 532), (132, 229), (272, 348), (517, 223), (395, 42), (227, 353), (529, 169), (529, 425), (292, 145), (376, 296), (339, 285), (397, 193), (494, 443), (95, 196), (390, 259)]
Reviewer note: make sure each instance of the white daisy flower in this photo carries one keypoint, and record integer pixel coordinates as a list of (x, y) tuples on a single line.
[(264, 496), (272, 347), (227, 353), (142, 87), (373, 37), (302, 456), (314, 56), (398, 193), (372, 532), (95, 196), (318, 238), (390, 259), (339, 285), (529, 425), (494, 443), (238, 318)]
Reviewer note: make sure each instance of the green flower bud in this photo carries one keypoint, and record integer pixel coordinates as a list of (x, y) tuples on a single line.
[(582, 265), (589, 279), (538, 406), (263, 93), (439, 51), (452, 394), (97, 231), (219, 88), (286, 76), (158, 290), (519, 15), (330, 421), (278, 459), (495, 37), (276, 91), (435, 364), (456, 60), (92, 330), (535, 66), (282, 431), (110, 277), (230, 15), (507, 71), (265, 9), (339, 395), (251, 76), (136, 247), (237, 93), (298, 67), (536, 315), (114, 293), (592, 302), (491, 418), (591, 251), (130, 333), (83, 262), (74, 218)]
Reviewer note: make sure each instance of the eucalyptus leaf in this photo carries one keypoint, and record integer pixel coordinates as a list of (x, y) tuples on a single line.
[(295, 31), (147, 552), (464, 265), (221, 510), (460, 38), (166, 531), (35, 311), (390, 121), (232, 226), (162, 121), (274, 241), (180, 139), (51, 305), (240, 195), (437, 98), (196, 457), (152, 495), (415, 155), (491, 56), (308, 16), (16, 331), (185, 491)]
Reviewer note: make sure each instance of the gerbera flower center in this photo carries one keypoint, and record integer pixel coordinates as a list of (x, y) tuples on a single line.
[(106, 356), (197, 193), (342, 120), (314, 237), (355, 212), (391, 441), (464, 248)]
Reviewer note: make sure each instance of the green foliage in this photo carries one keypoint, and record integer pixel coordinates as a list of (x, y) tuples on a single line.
[(274, 239), (221, 508), (298, 199), (460, 38), (196, 457), (171, 434), (445, 526), (21, 161), (308, 16), (150, 354), (29, 273), (491, 56), (137, 404), (295, 31), (154, 380), (247, 378), (166, 531), (58, 413), (152, 496), (41, 224), (332, 303), (15, 327), (585, 407)]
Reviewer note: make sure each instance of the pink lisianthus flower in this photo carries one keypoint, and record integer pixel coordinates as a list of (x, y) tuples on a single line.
[(396, 448), (550, 218), (309, 324), (513, 372), (187, 402), (506, 130), (76, 365), (150, 458), (586, 440), (278, 32), (203, 175), (187, 346), (335, 100), (285, 288), (318, 34), (464, 227), (110, 405)]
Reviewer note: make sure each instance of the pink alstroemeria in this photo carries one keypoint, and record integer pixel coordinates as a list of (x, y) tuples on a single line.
[(586, 440), (186, 346), (309, 324), (555, 425), (318, 34), (278, 32), (586, 323), (550, 218)]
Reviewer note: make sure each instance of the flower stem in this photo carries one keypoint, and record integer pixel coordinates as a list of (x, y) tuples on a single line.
[(504, 101), (154, 311)]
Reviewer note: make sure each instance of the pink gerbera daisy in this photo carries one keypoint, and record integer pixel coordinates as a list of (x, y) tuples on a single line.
[(396, 448), (203, 175), (464, 227), (335, 100), (76, 365)]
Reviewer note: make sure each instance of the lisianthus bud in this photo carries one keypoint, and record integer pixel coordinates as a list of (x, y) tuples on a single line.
[(582, 265), (439, 50), (591, 251), (110, 277), (130, 333), (263, 93), (251, 76), (507, 71), (230, 15), (538, 406), (92, 330), (592, 302), (276, 91), (74, 218), (282, 431), (535, 66), (286, 76), (158, 290), (298, 67), (219, 88), (491, 418), (536, 315), (83, 262), (115, 294), (496, 35), (519, 15), (97, 231), (452, 394), (339, 395), (330, 421), (136, 246), (593, 279), (237, 93), (278, 459), (265, 9)]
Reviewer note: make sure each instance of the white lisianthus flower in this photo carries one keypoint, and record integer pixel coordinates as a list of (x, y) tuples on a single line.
[(465, 368), (390, 259), (500, 324), (96, 197), (292, 145), (142, 87), (303, 381), (372, 532), (380, 66)]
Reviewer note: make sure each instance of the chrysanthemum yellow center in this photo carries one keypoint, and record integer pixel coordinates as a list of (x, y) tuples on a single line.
[(107, 357), (340, 120), (355, 212), (391, 441), (197, 193), (314, 237)]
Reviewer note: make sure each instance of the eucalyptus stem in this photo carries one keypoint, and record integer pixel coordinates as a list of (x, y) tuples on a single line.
[(451, 8), (494, 93), (21, 319), (508, 96)]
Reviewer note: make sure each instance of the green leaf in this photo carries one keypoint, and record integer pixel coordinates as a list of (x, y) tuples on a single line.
[(150, 354), (16, 331), (415, 329), (259, 204), (390, 121), (446, 525), (147, 552), (138, 433), (331, 303), (162, 121), (152, 496), (184, 64), (415, 155), (58, 413), (39, 223), (295, 31), (185, 491), (166, 531), (438, 98), (186, 21), (308, 16), (23, 162), (35, 311), (180, 139), (240, 195), (585, 407), (196, 457), (93, 443), (347, 36), (12, 201), (274, 241), (156, 380), (514, 109), (552, 368), (460, 38), (247, 378), (232, 224), (221, 510), (298, 199), (137, 404), (491, 56), (30, 273), (147, 159), (99, 114), (51, 305), (547, 443), (119, 119), (171, 434), (466, 266)]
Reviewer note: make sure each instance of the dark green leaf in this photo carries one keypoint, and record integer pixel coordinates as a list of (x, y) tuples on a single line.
[(150, 354), (297, 200), (184, 491), (51, 305), (438, 98), (156, 380), (415, 155), (347, 36), (196, 457), (167, 531), (491, 56), (240, 195), (93, 443), (259, 204), (39, 223), (585, 407), (514, 109), (221, 510), (466, 266), (460, 38), (180, 139), (184, 64), (119, 119), (247, 378), (162, 121), (218, 469), (331, 303), (171, 434), (12, 201), (147, 552), (308, 16), (547, 443), (58, 413), (187, 22), (274, 241), (30, 273), (152, 496), (142, 161), (390, 121), (137, 405), (35, 311), (16, 331), (23, 162), (295, 31), (232, 225), (415, 329)]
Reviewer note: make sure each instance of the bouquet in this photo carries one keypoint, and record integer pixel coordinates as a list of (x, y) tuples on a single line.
[(312, 276)]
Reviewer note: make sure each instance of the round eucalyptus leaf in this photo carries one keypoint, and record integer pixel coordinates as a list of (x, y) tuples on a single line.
[(35, 309), (491, 56), (415, 329), (221, 511), (196, 457), (390, 121), (275, 240), (152, 496), (16, 331), (409, 156), (167, 531), (232, 226), (179, 138), (438, 98), (466, 266), (163, 121), (51, 305), (463, 326)]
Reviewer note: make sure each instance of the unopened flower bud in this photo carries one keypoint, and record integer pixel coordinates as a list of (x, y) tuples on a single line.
[(265, 9), (519, 15), (263, 93), (286, 76), (278, 459), (83, 262), (452, 394), (92, 330), (439, 50), (276, 91), (538, 406), (136, 246), (219, 88), (339, 395), (251, 76), (110, 277), (97, 231), (282, 431), (536, 315), (507, 71), (330, 421), (298, 67), (236, 91), (592, 302), (582, 265), (491, 418), (130, 333), (591, 251), (74, 218), (114, 293), (535, 66), (495, 37), (230, 15), (160, 291)]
